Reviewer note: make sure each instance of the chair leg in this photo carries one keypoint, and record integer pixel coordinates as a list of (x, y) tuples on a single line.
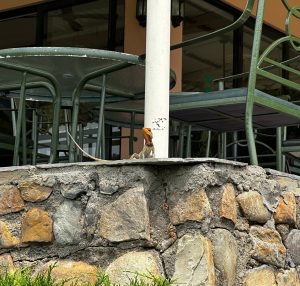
[(224, 143), (278, 149), (235, 146), (55, 127), (181, 140), (131, 138), (80, 141), (283, 166), (103, 140), (250, 140), (21, 110), (188, 141), (24, 139), (74, 123), (219, 146), (207, 151), (101, 117), (34, 136), (222, 138)]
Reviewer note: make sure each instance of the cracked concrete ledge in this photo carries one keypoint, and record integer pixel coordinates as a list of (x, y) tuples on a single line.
[(273, 172), (154, 162)]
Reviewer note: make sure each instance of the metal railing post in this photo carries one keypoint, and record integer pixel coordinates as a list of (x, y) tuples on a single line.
[(101, 117), (188, 141), (21, 110)]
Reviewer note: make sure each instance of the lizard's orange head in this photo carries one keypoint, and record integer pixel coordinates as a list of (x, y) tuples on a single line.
[(147, 134), (147, 131)]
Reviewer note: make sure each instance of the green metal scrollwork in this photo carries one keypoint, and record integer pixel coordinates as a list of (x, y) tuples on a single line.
[(289, 7), (292, 12), (295, 43)]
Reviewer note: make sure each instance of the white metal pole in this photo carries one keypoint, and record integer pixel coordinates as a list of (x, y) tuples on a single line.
[(158, 74)]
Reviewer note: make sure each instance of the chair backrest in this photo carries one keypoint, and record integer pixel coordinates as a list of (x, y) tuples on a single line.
[(266, 58)]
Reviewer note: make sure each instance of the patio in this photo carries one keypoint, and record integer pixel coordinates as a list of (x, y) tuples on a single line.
[(68, 77)]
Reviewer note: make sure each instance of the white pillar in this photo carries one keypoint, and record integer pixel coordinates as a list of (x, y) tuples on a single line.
[(158, 74)]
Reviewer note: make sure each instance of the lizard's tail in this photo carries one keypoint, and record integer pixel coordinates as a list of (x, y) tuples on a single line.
[(84, 152)]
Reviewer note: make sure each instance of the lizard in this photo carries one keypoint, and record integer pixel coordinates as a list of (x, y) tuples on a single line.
[(148, 150)]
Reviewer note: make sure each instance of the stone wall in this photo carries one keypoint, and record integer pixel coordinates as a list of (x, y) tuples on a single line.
[(202, 222)]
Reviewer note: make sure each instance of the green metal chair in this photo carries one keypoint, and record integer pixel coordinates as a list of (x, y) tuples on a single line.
[(247, 108)]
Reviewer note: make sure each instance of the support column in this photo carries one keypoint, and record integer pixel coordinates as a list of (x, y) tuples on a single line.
[(158, 74)]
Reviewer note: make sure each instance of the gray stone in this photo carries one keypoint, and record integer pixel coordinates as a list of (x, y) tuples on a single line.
[(290, 184), (225, 255), (127, 218), (283, 229), (72, 191), (91, 214), (253, 207), (194, 264), (67, 225), (112, 180), (107, 188), (293, 245), (130, 264), (270, 191)]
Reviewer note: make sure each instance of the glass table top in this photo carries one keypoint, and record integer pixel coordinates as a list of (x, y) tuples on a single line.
[(69, 66)]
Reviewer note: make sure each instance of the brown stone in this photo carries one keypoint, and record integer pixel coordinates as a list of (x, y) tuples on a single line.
[(287, 277), (286, 210), (33, 192), (72, 271), (7, 240), (262, 276), (189, 206), (10, 200), (228, 208), (268, 247), (6, 264), (253, 207), (9, 176), (36, 226)]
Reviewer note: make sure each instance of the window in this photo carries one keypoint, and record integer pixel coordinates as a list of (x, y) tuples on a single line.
[(91, 25), (18, 32), (209, 60)]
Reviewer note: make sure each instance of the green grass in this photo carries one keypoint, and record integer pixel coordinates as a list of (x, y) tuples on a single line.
[(24, 277)]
